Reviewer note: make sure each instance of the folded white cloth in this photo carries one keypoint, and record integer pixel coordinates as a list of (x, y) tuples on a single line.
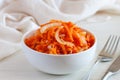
[(19, 16)]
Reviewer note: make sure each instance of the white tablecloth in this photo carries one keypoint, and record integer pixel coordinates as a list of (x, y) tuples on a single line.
[(16, 67)]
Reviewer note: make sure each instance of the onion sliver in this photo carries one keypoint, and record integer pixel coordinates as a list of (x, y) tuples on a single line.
[(43, 29), (61, 41)]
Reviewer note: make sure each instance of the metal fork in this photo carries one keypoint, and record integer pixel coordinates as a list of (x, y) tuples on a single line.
[(106, 54)]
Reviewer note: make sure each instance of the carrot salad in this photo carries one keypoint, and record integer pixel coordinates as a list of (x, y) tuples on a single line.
[(59, 37)]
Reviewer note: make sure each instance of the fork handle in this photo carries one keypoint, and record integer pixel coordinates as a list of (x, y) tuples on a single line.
[(87, 76), (108, 75)]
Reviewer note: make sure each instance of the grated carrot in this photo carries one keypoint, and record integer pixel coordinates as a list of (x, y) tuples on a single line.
[(59, 37)]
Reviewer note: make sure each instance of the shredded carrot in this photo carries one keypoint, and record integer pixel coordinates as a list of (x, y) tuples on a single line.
[(59, 37)]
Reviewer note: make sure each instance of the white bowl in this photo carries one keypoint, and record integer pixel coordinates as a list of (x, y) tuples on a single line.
[(58, 64)]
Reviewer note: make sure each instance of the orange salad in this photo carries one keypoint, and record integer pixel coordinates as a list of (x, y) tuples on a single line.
[(59, 37)]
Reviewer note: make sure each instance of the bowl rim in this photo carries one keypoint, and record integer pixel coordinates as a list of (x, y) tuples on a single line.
[(82, 52)]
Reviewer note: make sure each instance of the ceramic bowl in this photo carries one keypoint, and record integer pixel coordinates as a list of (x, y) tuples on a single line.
[(59, 64)]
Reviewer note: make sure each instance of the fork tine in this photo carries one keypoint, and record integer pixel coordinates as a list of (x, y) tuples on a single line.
[(112, 44), (111, 49), (116, 45), (106, 44)]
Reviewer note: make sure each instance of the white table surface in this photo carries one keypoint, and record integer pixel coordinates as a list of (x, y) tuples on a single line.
[(16, 67)]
